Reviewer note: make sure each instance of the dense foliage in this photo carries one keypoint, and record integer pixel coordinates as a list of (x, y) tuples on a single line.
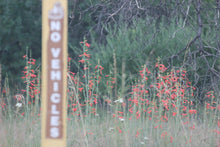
[(179, 33), (20, 29)]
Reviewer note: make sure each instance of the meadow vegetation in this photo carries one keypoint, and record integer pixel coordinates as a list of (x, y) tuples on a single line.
[(156, 108)]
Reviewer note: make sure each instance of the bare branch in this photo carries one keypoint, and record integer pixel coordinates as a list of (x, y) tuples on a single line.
[(111, 15), (138, 5), (187, 12)]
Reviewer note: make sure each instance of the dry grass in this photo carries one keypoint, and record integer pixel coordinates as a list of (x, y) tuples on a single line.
[(18, 132), (104, 132)]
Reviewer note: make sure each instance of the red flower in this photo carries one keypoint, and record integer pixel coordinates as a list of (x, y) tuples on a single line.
[(123, 104), (184, 123), (156, 126), (85, 54), (207, 105), (82, 61), (131, 110), (163, 134), (184, 114), (174, 113), (33, 75), (164, 118), (146, 78), (90, 83), (162, 67), (138, 115), (171, 139), (87, 45), (119, 130), (174, 79), (137, 134), (95, 101), (218, 132), (69, 59), (192, 128), (80, 89), (3, 105), (184, 108), (100, 68), (22, 90), (148, 71), (173, 96), (85, 68), (192, 111), (212, 108)]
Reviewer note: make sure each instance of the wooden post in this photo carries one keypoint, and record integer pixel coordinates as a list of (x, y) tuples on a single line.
[(54, 73), (0, 82), (0, 79)]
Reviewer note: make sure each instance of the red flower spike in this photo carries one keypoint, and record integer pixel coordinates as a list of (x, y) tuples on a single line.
[(171, 139), (3, 105), (138, 115), (207, 105), (137, 134)]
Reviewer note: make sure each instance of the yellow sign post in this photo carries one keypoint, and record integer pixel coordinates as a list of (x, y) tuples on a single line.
[(54, 69)]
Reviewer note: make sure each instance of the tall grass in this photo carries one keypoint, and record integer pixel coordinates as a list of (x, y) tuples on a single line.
[(156, 109)]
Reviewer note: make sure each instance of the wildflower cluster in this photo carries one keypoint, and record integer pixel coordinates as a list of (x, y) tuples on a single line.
[(167, 95), (86, 85), (158, 95), (31, 80)]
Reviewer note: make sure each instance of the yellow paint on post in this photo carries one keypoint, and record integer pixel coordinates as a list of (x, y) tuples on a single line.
[(54, 69)]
